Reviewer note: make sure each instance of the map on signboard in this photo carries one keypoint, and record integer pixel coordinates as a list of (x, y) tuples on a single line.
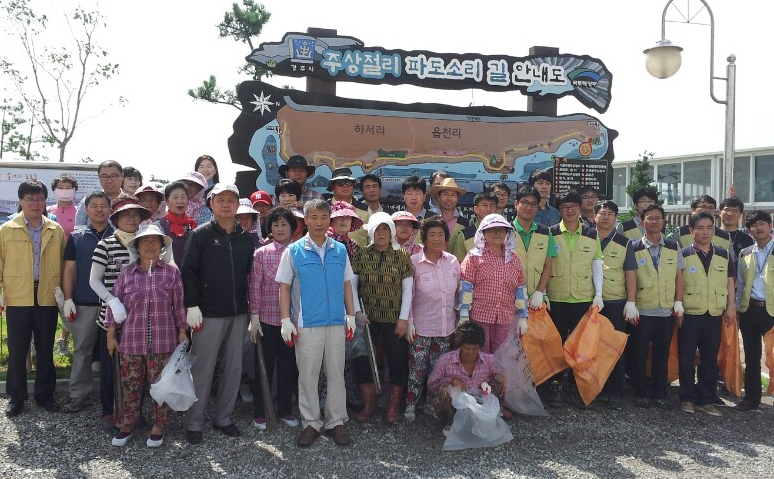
[(480, 144)]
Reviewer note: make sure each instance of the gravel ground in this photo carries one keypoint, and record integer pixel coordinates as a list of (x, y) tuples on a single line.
[(571, 443)]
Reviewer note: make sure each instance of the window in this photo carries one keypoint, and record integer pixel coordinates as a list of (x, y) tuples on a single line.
[(742, 177), (619, 188), (668, 179), (764, 178), (698, 179)]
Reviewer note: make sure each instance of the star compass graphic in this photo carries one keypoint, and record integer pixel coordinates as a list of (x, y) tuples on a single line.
[(261, 103)]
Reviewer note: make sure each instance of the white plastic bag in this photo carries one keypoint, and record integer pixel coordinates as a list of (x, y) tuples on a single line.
[(476, 425), (520, 393), (175, 385)]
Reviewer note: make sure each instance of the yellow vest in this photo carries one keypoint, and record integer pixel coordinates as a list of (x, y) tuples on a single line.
[(571, 270), (534, 258), (705, 292), (749, 270), (655, 288), (614, 278), (631, 230), (720, 238)]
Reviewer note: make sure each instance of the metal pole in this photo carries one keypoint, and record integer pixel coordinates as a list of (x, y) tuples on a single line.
[(729, 151)]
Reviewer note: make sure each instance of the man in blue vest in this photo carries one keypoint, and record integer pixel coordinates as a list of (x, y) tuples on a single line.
[(315, 291)]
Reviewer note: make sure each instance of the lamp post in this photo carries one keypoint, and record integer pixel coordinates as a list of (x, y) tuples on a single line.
[(663, 61)]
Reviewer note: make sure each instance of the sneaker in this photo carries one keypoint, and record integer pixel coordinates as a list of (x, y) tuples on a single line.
[(307, 437), (229, 430), (121, 439), (155, 440), (410, 414), (76, 404), (194, 437), (339, 435), (245, 394), (554, 399), (259, 423), (744, 406), (662, 403), (710, 409), (61, 347), (717, 402), (291, 420), (687, 407)]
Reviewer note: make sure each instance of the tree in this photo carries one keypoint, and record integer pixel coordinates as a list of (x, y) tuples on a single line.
[(53, 81), (642, 176), (11, 120), (240, 24), (159, 183)]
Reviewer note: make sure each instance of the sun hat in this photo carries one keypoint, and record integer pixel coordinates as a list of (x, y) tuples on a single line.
[(149, 229), (341, 209), (447, 184), (295, 161), (405, 216), (222, 188)]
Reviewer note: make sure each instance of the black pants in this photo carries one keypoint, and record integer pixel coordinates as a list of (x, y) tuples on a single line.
[(566, 317), (658, 331), (106, 394), (753, 324), (275, 352), (395, 349), (24, 322), (614, 312), (700, 332)]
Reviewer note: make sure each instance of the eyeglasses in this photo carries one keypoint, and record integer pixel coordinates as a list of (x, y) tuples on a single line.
[(528, 204), (590, 197), (112, 177), (569, 207), (646, 202), (34, 200), (651, 219), (501, 195), (345, 183)]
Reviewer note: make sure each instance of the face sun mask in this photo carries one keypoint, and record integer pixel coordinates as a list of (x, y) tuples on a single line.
[(64, 195)]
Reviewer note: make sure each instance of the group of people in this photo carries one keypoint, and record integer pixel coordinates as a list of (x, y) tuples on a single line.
[(141, 270)]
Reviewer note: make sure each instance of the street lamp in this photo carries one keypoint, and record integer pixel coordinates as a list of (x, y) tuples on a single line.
[(663, 61)]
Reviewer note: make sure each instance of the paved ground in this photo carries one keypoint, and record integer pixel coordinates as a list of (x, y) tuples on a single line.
[(571, 443)]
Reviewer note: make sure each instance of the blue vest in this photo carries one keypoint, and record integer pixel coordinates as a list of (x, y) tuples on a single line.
[(321, 285), (85, 241)]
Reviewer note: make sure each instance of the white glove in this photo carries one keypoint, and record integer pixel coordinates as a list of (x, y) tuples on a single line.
[(522, 327), (255, 327), (350, 326), (630, 312), (536, 300), (411, 333), (118, 310), (486, 388), (678, 309), (598, 302), (59, 297), (288, 331), (69, 310), (194, 318)]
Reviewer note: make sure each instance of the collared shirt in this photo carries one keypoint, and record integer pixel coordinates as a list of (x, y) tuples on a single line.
[(264, 291), (113, 255), (449, 367), (36, 234), (435, 292), (526, 237), (630, 262), (548, 216), (451, 222), (740, 240), (80, 249), (65, 216), (762, 256), (154, 306), (654, 249), (494, 285), (637, 221), (308, 195), (706, 259), (572, 238), (588, 221)]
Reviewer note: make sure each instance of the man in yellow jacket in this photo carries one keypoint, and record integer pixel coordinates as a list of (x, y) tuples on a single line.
[(31, 249)]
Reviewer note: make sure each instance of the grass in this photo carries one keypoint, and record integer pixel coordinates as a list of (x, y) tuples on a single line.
[(61, 363)]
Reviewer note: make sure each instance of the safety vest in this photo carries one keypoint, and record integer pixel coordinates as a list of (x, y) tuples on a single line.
[(571, 270), (705, 292), (321, 284), (614, 278), (749, 270), (655, 288), (631, 230), (720, 238), (534, 258)]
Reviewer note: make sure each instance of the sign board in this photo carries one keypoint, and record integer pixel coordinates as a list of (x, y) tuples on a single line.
[(342, 58), (14, 173)]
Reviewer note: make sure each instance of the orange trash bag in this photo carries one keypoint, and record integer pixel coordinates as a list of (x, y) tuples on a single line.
[(768, 350), (673, 366), (729, 360), (592, 350), (543, 346)]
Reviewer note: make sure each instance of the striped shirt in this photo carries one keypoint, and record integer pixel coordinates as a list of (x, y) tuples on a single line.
[(380, 277), (114, 256), (264, 290), (449, 367)]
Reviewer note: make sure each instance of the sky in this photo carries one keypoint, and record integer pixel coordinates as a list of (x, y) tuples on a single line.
[(165, 48)]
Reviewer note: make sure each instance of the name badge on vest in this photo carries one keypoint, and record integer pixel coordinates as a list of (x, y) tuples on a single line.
[(692, 269)]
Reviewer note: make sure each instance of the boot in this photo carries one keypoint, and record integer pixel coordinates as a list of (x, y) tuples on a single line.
[(368, 395), (393, 415)]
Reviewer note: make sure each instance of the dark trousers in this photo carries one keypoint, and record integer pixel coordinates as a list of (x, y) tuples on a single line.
[(753, 324), (658, 331), (395, 349), (700, 332), (275, 353), (23, 322), (614, 312), (106, 393), (566, 317)]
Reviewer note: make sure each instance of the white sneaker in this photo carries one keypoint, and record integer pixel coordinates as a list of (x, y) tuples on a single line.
[(121, 439), (244, 392), (259, 423), (411, 414), (155, 442), (291, 420)]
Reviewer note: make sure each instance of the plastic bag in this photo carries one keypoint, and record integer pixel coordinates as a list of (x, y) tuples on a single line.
[(543, 346), (175, 385), (520, 393), (592, 351), (729, 360), (356, 347), (476, 425)]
